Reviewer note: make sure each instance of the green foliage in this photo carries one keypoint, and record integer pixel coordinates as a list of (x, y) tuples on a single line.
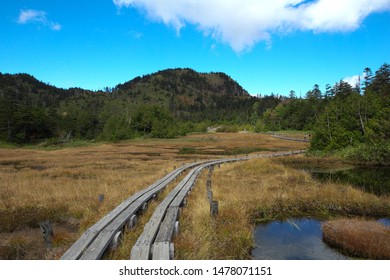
[(376, 154), (296, 114), (357, 125), (188, 151), (116, 129), (176, 102), (228, 128), (166, 104)]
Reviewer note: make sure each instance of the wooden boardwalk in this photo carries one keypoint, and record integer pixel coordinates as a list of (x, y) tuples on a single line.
[(94, 242), (156, 240)]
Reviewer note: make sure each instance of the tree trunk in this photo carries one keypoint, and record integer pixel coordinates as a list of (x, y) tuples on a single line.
[(361, 121)]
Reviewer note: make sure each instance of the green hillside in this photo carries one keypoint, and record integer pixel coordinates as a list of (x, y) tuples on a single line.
[(164, 104)]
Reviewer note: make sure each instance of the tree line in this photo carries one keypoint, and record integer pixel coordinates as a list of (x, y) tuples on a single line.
[(354, 119), (167, 104)]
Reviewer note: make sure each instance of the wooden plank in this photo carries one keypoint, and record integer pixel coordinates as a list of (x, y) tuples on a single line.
[(162, 251), (142, 248), (99, 245), (77, 249), (167, 227)]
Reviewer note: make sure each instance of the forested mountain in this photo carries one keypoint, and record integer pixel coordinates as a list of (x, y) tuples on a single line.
[(189, 95), (174, 102), (164, 104)]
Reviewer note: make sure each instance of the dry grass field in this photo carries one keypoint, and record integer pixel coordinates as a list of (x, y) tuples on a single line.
[(63, 185), (263, 190)]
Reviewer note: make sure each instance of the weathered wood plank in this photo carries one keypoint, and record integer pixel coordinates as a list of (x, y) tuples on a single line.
[(101, 242), (162, 251), (150, 232), (78, 248), (167, 227)]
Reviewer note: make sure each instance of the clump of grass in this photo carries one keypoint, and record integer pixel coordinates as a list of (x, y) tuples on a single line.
[(15, 249), (359, 238), (29, 216), (188, 151), (243, 150)]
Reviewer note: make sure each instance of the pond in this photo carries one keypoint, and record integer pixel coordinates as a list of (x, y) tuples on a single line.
[(385, 221), (294, 239), (375, 180)]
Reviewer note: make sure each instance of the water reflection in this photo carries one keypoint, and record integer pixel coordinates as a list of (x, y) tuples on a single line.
[(385, 221), (370, 179), (295, 239)]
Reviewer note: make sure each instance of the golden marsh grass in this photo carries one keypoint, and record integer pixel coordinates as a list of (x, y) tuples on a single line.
[(63, 185), (262, 190), (358, 237)]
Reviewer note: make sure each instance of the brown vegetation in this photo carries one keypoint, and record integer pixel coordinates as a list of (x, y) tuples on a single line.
[(359, 238), (262, 190), (63, 185)]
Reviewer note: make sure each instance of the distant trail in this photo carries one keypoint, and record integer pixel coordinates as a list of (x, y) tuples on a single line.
[(155, 241), (290, 138)]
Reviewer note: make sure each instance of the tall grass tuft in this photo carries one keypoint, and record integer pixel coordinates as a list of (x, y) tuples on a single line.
[(359, 238)]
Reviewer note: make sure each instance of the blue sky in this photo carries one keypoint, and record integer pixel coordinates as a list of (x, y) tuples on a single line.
[(266, 46)]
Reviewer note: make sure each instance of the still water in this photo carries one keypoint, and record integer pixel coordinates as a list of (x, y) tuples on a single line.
[(301, 239), (294, 239), (375, 180)]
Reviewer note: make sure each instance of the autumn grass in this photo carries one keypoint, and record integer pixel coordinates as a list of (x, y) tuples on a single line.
[(358, 238), (228, 236), (62, 185), (262, 190)]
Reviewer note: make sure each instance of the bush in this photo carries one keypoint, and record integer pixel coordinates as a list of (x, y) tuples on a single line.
[(228, 128), (368, 153), (116, 129)]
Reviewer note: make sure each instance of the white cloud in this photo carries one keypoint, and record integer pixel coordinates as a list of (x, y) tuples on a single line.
[(354, 80), (135, 34), (31, 16), (243, 23)]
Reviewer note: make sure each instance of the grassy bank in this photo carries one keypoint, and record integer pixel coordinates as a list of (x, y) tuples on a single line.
[(257, 191)]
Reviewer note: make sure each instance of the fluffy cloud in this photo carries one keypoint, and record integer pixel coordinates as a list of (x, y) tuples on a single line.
[(30, 16), (243, 23), (354, 80)]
